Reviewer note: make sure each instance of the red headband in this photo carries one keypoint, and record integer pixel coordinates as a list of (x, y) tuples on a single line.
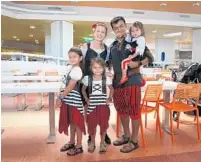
[(95, 25)]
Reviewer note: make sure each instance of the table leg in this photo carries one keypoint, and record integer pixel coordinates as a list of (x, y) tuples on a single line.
[(21, 105), (40, 105), (52, 136), (165, 112), (2, 131)]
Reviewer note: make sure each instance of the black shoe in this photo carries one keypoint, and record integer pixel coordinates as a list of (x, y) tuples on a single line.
[(107, 139), (89, 140)]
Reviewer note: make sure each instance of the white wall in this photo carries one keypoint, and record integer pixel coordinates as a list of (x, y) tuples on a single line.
[(196, 47), (167, 46)]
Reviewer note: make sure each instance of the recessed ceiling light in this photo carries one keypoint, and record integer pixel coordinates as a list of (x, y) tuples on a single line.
[(17, 39), (32, 27), (74, 1), (154, 30), (14, 37), (37, 42), (196, 4), (172, 34), (163, 4), (31, 35)]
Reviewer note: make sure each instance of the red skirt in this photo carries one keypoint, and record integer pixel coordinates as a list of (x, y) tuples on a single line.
[(127, 101), (99, 116), (70, 115)]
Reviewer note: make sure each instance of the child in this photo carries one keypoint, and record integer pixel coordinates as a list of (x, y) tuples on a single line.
[(71, 106), (136, 38), (98, 111)]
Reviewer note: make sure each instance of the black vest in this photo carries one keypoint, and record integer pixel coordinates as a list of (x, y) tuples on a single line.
[(90, 81), (90, 55)]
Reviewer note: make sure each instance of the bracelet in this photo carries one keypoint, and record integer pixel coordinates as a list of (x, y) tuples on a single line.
[(60, 97)]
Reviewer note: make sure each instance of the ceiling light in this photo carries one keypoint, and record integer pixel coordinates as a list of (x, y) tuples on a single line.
[(196, 4), (14, 37), (74, 1), (17, 39), (31, 35), (154, 31), (172, 34), (37, 42), (32, 27), (163, 4)]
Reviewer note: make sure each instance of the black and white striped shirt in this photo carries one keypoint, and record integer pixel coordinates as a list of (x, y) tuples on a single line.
[(97, 97)]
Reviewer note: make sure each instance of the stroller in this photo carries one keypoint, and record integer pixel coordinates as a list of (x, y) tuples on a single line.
[(191, 74), (186, 74)]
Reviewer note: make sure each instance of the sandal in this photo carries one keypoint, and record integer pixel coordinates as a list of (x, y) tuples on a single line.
[(75, 151), (121, 141), (67, 147), (103, 148), (91, 148), (131, 146)]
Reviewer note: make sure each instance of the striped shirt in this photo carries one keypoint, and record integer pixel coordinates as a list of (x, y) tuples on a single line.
[(97, 97)]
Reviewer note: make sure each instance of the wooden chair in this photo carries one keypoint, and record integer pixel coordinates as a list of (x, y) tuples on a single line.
[(152, 94), (184, 92)]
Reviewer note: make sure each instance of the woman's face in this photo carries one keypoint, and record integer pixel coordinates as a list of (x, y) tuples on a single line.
[(100, 33)]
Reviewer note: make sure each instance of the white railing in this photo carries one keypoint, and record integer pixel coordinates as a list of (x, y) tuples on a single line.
[(16, 63), (18, 56)]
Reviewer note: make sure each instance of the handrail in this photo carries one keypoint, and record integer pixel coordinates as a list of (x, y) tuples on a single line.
[(33, 55)]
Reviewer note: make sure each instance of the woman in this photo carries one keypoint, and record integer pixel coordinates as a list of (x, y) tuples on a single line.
[(95, 49)]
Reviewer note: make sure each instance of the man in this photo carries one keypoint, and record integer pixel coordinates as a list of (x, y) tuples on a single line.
[(127, 97)]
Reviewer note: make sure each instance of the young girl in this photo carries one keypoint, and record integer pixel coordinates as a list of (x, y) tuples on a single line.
[(136, 47), (71, 106), (96, 48), (97, 103)]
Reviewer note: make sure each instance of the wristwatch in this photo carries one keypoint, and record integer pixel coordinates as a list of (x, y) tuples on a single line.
[(60, 97)]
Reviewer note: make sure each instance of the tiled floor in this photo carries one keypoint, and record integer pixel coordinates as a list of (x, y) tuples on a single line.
[(26, 131)]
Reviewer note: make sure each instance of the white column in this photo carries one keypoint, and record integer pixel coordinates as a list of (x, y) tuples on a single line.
[(61, 38), (167, 46), (196, 46), (48, 45)]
